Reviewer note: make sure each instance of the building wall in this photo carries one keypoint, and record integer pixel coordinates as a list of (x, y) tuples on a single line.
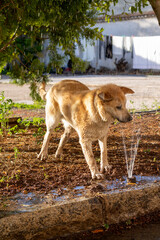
[(131, 28), (136, 27)]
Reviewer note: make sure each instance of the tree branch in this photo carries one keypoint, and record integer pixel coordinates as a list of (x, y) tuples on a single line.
[(10, 41), (4, 6), (156, 8)]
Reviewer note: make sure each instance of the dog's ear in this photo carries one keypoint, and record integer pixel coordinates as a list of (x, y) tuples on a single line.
[(105, 97), (126, 90)]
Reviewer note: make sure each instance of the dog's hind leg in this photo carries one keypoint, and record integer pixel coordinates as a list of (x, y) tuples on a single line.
[(64, 138), (52, 120), (87, 151), (104, 165)]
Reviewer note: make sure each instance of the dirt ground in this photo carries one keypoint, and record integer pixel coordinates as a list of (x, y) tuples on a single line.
[(21, 171)]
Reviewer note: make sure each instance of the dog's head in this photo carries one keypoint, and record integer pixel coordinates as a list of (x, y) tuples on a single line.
[(112, 102)]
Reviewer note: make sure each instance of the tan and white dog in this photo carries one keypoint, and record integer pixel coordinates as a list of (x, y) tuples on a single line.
[(89, 112)]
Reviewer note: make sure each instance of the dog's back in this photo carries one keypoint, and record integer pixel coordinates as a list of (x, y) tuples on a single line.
[(62, 87), (68, 86)]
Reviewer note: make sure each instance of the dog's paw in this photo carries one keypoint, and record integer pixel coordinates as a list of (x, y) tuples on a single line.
[(108, 168), (42, 156), (98, 176), (58, 155)]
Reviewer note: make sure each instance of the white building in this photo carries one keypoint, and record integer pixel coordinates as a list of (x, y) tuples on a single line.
[(136, 37)]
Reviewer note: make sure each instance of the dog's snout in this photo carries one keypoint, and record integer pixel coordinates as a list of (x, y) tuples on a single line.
[(130, 118), (127, 118)]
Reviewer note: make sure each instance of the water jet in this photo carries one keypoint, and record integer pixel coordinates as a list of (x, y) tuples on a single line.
[(130, 158)]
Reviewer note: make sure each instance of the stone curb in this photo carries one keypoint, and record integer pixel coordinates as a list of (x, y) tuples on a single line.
[(81, 215)]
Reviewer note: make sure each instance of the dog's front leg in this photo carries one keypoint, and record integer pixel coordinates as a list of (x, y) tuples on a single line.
[(104, 165), (87, 151)]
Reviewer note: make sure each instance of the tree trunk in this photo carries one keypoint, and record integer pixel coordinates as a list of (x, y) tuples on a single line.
[(156, 8)]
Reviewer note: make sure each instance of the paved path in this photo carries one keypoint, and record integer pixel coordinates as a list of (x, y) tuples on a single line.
[(147, 88)]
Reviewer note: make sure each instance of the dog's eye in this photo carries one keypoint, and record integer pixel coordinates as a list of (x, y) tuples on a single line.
[(119, 107)]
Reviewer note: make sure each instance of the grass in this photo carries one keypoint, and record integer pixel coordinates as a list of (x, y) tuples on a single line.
[(155, 106), (36, 105)]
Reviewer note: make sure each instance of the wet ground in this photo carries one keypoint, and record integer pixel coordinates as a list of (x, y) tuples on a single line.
[(28, 202)]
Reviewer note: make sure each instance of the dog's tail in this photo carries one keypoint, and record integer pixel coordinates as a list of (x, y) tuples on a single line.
[(42, 90)]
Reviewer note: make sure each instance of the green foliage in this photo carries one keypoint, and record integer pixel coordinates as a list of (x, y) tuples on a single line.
[(5, 110), (6, 106), (98, 160), (37, 121), (128, 222), (36, 105), (16, 152), (106, 226), (39, 133), (26, 24), (156, 105)]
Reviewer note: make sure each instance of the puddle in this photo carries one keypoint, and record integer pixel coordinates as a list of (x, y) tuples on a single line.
[(79, 187), (29, 202), (140, 181)]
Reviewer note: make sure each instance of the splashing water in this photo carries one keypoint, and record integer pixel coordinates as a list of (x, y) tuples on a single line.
[(133, 153)]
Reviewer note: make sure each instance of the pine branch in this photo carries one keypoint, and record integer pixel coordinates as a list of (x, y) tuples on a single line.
[(10, 41)]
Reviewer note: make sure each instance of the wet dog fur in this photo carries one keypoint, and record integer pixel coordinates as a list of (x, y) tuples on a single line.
[(89, 112)]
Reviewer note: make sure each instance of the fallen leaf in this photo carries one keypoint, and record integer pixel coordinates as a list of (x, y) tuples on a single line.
[(97, 231)]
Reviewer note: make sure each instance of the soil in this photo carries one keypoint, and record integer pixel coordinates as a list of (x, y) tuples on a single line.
[(22, 171)]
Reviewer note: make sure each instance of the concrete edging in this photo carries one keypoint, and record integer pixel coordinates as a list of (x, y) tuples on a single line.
[(81, 215)]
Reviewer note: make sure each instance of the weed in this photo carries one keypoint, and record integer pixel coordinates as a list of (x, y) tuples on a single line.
[(106, 226), (5, 111), (36, 105), (58, 127), (157, 113), (128, 222), (3, 179), (37, 121), (16, 152), (5, 205), (156, 105), (133, 110), (139, 116), (154, 159), (17, 177), (16, 130), (46, 176), (144, 107), (98, 160), (40, 133), (116, 122), (25, 122), (147, 150)]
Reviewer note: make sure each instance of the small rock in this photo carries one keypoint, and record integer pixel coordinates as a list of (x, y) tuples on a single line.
[(25, 192)]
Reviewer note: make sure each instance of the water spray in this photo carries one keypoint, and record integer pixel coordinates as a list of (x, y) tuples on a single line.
[(131, 159)]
